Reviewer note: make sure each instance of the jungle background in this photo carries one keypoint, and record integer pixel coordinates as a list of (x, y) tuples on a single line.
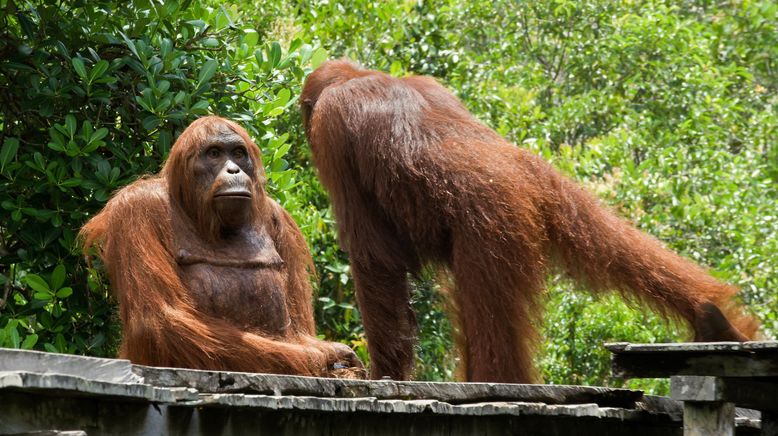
[(665, 109)]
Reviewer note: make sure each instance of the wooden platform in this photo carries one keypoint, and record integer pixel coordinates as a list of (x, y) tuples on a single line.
[(711, 379), (83, 395)]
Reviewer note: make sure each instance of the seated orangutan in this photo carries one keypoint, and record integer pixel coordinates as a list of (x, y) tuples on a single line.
[(210, 273)]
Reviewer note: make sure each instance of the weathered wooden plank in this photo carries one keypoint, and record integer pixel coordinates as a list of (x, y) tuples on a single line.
[(25, 412), (94, 368), (20, 380), (760, 345), (454, 393), (693, 347), (724, 359), (110, 372), (654, 366), (626, 347), (114, 403)]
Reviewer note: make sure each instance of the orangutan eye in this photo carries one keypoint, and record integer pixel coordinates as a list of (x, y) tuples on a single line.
[(239, 153), (213, 152)]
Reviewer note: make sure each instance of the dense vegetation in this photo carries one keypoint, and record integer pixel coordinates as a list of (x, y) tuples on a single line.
[(666, 109)]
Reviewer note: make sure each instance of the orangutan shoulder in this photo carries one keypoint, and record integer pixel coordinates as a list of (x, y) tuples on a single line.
[(150, 192)]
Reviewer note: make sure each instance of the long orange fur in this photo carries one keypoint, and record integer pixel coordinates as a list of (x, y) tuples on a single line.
[(162, 325), (415, 179)]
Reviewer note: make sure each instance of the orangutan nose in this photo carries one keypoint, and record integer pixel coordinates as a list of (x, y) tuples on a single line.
[(232, 168)]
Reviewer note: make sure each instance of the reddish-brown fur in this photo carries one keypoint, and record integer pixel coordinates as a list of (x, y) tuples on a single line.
[(192, 295), (415, 179)]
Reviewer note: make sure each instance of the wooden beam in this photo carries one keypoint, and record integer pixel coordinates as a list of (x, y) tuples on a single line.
[(752, 346), (724, 359), (749, 393)]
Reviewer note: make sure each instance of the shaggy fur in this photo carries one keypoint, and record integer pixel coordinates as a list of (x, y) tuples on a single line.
[(415, 179), (192, 295)]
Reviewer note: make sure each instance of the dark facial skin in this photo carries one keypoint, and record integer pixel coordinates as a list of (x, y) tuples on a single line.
[(225, 173)]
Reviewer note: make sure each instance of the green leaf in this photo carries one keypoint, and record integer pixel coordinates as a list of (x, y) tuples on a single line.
[(86, 130), (78, 65), (250, 37), (64, 292), (99, 134), (58, 276), (45, 296), (318, 57), (396, 68), (179, 97), (163, 86), (71, 124), (143, 103), (163, 105), (164, 140), (130, 45), (55, 146), (61, 343), (71, 183), (283, 97), (38, 158), (199, 107), (274, 112), (14, 336), (305, 54), (150, 122), (295, 44), (30, 341), (37, 283), (206, 72), (275, 54), (8, 152), (89, 148), (223, 19), (211, 42), (98, 340), (98, 70)]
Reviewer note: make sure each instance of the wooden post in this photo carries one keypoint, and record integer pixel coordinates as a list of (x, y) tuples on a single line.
[(769, 424), (706, 410), (708, 418)]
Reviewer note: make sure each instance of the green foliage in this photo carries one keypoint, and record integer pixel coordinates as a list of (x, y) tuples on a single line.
[(665, 109), (93, 96)]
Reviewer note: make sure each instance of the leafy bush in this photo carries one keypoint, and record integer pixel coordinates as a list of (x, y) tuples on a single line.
[(93, 96), (666, 110)]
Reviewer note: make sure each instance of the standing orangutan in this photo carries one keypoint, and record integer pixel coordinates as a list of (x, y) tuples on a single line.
[(210, 273), (415, 179)]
